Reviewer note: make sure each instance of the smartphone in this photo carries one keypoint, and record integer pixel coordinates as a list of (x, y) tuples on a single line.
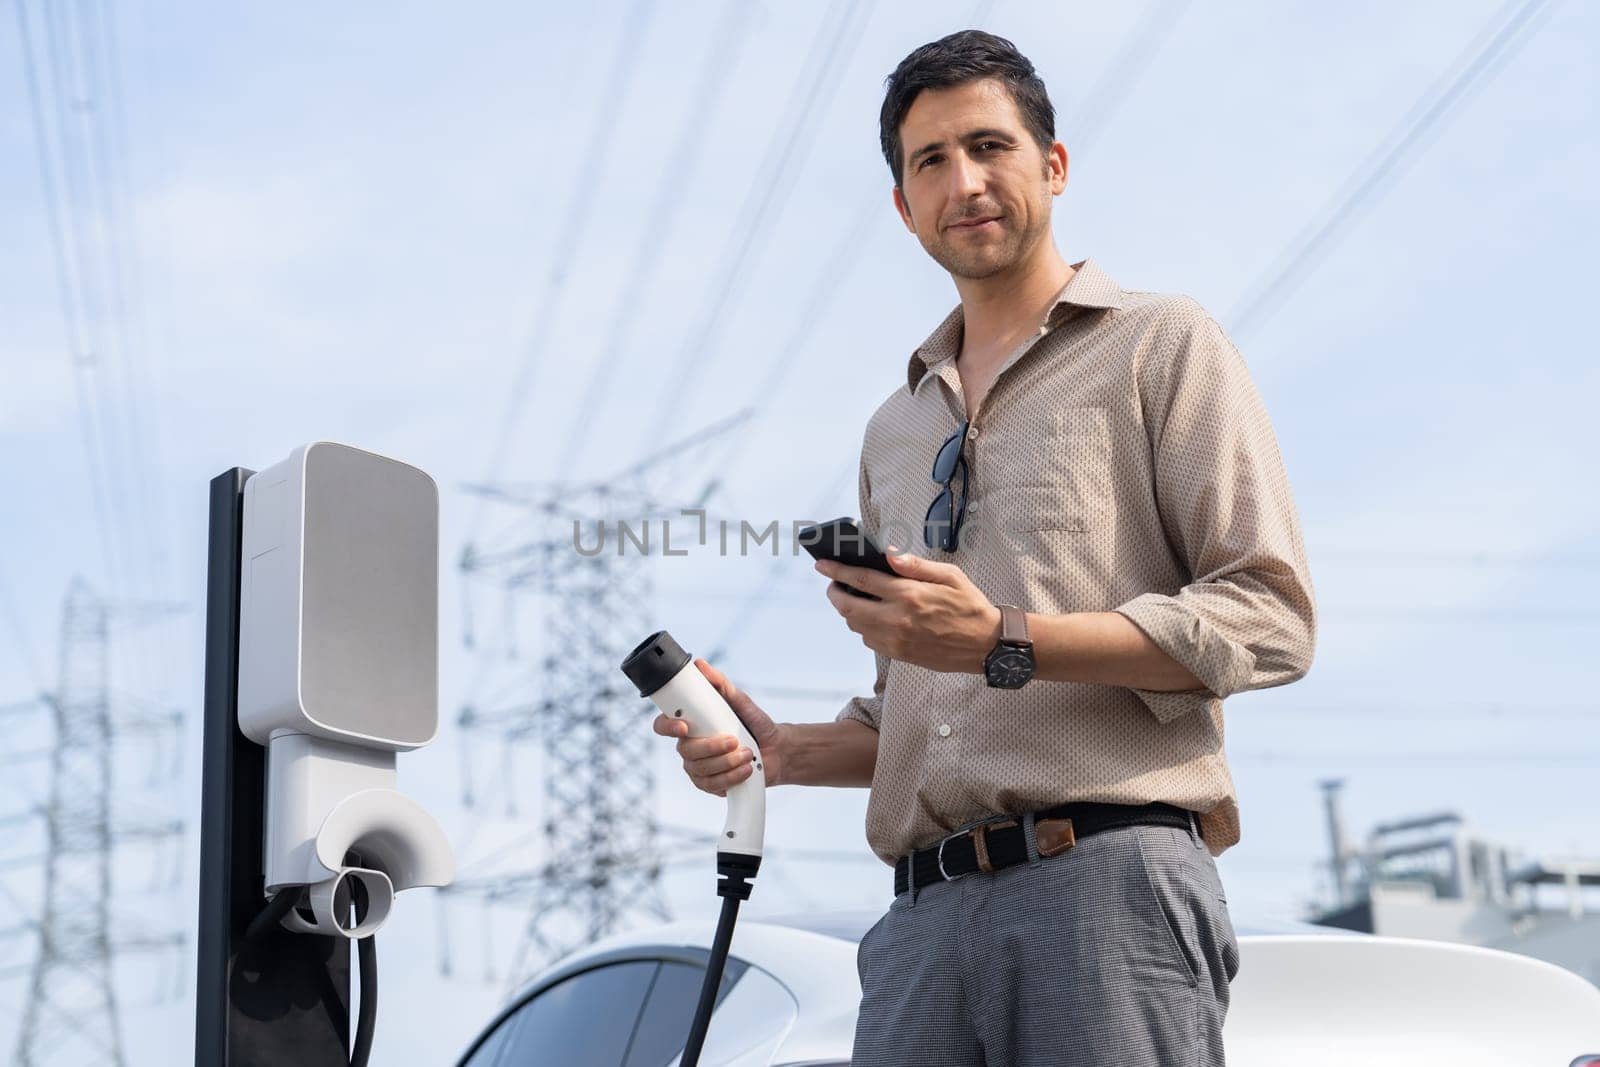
[(843, 541)]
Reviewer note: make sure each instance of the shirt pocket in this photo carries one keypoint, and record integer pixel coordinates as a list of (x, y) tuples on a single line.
[(1066, 484), (1052, 517)]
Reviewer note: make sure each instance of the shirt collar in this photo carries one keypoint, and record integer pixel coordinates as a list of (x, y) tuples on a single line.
[(1088, 287)]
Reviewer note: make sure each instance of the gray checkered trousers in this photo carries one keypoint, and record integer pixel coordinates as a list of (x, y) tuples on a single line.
[(1115, 953)]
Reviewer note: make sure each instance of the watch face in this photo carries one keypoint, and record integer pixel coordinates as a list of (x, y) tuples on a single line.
[(1009, 670)]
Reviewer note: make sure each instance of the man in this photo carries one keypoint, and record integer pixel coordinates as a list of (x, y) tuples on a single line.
[(1111, 549)]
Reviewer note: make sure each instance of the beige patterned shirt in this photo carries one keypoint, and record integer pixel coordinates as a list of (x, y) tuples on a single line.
[(1121, 461)]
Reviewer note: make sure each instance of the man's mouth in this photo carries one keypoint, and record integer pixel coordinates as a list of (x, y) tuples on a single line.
[(980, 224)]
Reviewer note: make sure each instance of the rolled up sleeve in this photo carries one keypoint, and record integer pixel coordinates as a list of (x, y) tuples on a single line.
[(867, 710), (1247, 618)]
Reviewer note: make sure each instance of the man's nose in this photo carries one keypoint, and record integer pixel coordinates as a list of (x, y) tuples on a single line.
[(966, 177)]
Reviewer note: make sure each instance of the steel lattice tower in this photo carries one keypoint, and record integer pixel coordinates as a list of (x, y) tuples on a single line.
[(71, 1012), (601, 856), (72, 1001), (599, 830)]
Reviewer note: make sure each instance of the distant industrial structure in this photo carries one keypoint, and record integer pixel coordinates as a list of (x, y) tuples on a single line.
[(1431, 876)]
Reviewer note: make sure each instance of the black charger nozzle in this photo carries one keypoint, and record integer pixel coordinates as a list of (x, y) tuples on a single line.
[(735, 870)]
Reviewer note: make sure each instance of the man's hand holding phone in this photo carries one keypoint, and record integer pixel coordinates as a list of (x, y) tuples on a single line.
[(843, 540), (922, 611)]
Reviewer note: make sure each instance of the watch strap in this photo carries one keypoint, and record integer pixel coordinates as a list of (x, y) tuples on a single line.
[(1013, 626)]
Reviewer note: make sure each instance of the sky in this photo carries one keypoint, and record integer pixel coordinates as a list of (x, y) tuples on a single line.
[(364, 222)]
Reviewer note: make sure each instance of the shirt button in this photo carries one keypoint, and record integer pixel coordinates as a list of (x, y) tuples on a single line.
[(972, 434), (944, 729)]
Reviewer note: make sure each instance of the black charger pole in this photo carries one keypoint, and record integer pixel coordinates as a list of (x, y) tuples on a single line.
[(284, 998)]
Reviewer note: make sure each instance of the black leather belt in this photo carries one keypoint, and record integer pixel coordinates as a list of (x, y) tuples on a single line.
[(998, 844)]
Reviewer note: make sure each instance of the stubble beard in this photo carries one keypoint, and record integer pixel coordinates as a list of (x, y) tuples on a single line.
[(975, 263)]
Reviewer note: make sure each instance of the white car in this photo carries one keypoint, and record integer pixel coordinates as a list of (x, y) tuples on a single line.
[(1305, 995)]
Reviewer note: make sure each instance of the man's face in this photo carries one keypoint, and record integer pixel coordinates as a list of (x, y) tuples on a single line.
[(975, 188)]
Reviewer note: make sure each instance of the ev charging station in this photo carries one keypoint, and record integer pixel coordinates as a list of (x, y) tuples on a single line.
[(321, 666), (322, 653)]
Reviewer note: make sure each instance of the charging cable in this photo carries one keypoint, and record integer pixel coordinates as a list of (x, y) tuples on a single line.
[(282, 902)]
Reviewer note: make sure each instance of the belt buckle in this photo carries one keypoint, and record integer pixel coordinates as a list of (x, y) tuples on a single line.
[(940, 857)]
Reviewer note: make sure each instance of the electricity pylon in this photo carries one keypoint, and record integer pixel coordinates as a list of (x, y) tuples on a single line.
[(71, 1011), (582, 554)]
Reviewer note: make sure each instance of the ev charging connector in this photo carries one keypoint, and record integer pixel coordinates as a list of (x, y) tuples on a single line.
[(666, 674)]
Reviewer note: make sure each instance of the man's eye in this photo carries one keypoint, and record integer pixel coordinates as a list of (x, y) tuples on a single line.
[(926, 160)]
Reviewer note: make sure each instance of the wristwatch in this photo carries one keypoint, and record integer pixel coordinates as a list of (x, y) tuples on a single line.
[(1010, 664)]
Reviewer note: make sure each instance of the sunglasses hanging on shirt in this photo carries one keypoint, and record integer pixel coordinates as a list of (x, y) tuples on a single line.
[(941, 527)]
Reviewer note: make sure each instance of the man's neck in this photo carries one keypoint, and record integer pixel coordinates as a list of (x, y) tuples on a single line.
[(998, 307)]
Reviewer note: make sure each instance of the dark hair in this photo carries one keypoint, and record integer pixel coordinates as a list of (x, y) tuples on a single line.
[(955, 60)]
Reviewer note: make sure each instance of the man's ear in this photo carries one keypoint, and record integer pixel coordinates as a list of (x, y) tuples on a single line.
[(904, 209), (1056, 162)]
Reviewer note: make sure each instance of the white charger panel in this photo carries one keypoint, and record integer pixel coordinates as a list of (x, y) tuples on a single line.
[(339, 600)]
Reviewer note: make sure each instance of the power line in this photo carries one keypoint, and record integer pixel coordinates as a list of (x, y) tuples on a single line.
[(110, 229), (122, 380), (74, 105), (90, 213), (1111, 90), (117, 173), (1473, 68), (720, 56), (68, 298), (570, 238), (763, 202), (86, 179)]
